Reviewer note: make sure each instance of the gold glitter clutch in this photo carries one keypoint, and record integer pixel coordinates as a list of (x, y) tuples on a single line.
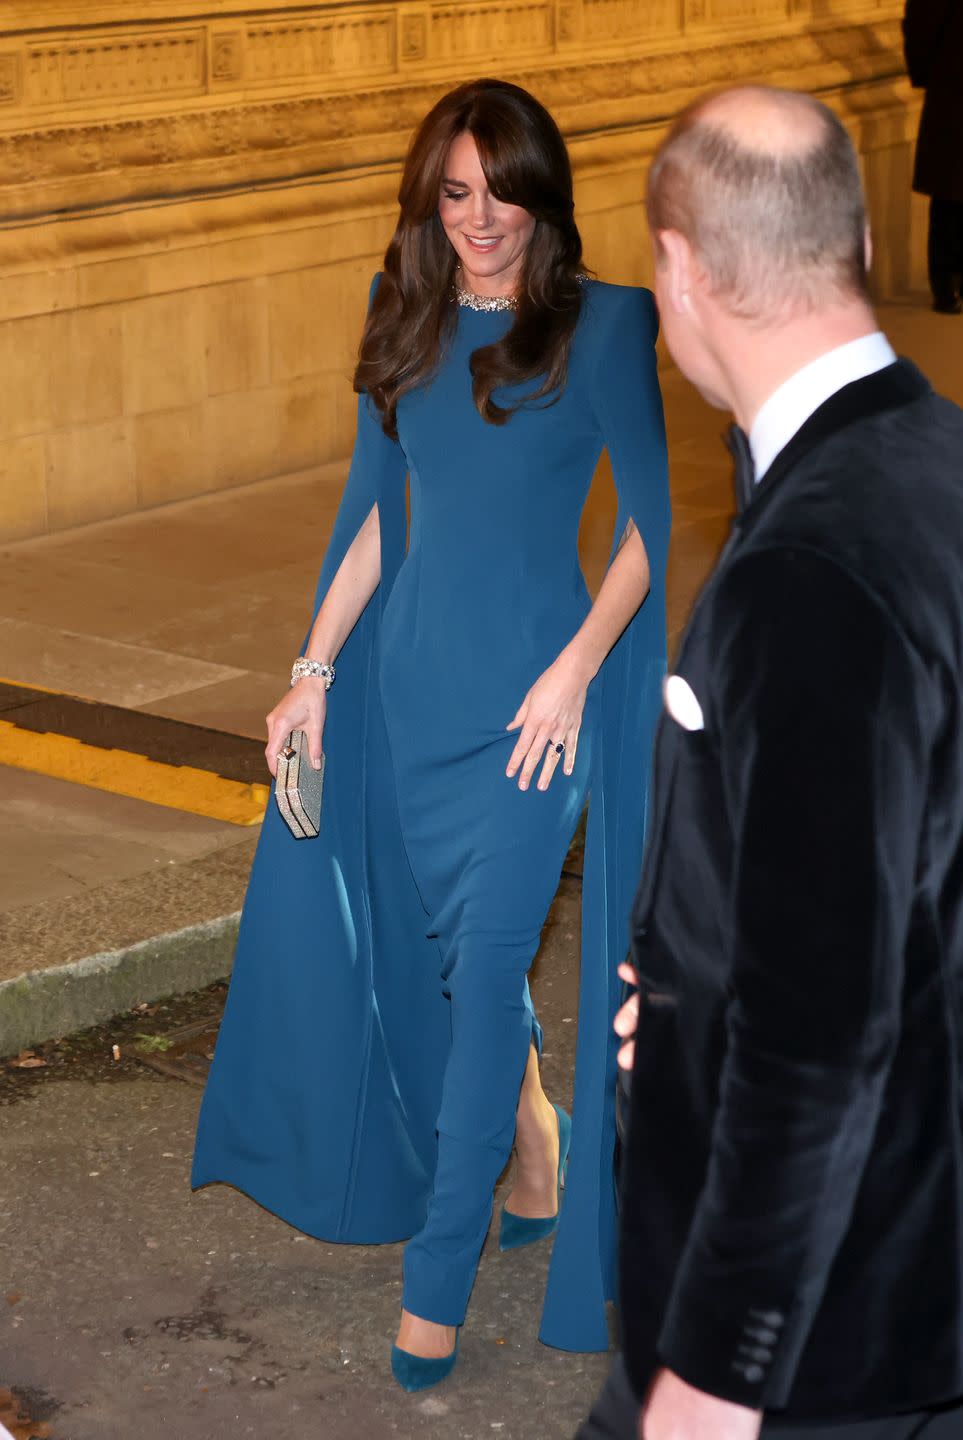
[(298, 787)]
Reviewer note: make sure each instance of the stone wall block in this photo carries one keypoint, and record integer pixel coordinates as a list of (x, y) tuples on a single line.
[(303, 418), (298, 325), (241, 437), (177, 270), (617, 246), (86, 366), (244, 258), (37, 292), (339, 434), (90, 474), (122, 277), (163, 347), (238, 336), (23, 487), (315, 319), (171, 456), (317, 421), (25, 368), (346, 289), (360, 241)]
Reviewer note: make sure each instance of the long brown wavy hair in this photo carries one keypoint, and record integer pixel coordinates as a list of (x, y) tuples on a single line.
[(413, 313)]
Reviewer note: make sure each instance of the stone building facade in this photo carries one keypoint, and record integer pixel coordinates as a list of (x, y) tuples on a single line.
[(193, 198)]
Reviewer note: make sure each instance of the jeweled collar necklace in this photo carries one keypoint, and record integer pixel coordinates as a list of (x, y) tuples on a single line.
[(490, 303)]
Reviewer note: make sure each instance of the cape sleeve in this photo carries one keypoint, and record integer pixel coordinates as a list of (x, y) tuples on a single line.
[(376, 477), (326, 1080), (628, 403)]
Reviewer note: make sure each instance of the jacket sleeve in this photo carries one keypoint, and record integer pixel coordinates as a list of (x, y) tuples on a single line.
[(923, 25), (822, 711)]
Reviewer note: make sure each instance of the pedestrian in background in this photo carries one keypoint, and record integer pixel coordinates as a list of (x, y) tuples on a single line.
[(933, 36), (792, 1186)]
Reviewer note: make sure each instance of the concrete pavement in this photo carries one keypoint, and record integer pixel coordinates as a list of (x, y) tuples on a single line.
[(134, 1308)]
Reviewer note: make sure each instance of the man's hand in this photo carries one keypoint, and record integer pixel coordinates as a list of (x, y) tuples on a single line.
[(677, 1411), (626, 1021)]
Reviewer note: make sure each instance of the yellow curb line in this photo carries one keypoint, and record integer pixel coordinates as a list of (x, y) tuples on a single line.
[(178, 787), (46, 690)]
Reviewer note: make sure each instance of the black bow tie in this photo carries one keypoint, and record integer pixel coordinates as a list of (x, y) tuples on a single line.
[(745, 475)]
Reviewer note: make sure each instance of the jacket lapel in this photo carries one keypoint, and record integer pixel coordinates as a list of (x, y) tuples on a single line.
[(897, 385), (889, 389)]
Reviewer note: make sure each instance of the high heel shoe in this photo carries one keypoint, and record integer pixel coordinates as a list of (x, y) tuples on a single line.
[(418, 1372), (519, 1230)]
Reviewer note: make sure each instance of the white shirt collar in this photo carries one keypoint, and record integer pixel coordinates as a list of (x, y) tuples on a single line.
[(788, 408)]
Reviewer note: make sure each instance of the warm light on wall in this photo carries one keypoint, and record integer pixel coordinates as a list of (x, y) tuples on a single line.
[(191, 206)]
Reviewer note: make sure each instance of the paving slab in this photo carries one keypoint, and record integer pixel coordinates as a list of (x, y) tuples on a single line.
[(68, 962)]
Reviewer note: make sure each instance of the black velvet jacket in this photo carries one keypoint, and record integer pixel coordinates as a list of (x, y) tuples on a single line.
[(792, 1205)]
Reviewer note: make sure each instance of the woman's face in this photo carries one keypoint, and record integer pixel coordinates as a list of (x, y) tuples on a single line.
[(489, 237)]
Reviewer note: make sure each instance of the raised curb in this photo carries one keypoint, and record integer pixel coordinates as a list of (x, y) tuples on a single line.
[(46, 1004)]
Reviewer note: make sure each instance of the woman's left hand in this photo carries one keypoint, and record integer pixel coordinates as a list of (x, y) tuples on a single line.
[(549, 716)]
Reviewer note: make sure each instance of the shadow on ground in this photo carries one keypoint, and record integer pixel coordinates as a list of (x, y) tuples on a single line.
[(135, 1308)]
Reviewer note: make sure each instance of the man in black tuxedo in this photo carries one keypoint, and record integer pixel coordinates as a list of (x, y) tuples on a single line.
[(792, 1175)]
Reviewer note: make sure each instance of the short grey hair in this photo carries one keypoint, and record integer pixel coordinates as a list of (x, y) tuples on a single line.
[(774, 226)]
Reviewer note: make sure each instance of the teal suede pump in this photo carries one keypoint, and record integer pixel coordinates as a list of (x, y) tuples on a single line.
[(518, 1230), (416, 1372)]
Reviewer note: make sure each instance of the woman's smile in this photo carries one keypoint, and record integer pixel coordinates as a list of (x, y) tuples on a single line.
[(483, 243)]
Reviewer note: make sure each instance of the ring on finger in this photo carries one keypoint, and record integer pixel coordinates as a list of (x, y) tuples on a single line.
[(559, 749)]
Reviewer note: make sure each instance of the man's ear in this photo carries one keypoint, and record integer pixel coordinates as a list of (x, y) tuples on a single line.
[(679, 270), (868, 248)]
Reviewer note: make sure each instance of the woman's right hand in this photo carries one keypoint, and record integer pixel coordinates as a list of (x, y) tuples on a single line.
[(304, 707)]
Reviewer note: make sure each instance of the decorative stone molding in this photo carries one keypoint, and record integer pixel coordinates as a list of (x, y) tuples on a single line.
[(412, 35), (115, 68), (10, 79), (93, 121), (227, 57)]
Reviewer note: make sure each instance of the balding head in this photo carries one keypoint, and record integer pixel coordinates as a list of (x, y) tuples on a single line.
[(764, 185), (761, 118)]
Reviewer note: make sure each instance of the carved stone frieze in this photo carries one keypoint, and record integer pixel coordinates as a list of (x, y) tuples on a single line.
[(170, 62), (412, 35), (336, 46), (93, 120), (607, 20), (227, 57), (10, 81)]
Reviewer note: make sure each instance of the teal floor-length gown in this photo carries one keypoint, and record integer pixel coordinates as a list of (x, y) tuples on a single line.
[(388, 958)]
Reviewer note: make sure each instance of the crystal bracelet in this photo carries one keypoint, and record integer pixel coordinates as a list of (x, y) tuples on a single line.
[(315, 669)]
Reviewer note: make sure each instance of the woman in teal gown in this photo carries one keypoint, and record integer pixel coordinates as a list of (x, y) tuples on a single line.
[(480, 700)]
